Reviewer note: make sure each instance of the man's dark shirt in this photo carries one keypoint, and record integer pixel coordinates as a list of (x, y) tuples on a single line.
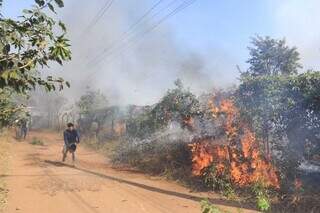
[(71, 136)]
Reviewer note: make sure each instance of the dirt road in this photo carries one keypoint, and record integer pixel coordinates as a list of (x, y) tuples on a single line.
[(39, 183)]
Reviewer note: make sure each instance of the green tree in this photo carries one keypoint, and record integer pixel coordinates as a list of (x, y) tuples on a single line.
[(28, 44), (284, 111), (92, 101), (178, 104), (9, 110), (281, 106), (93, 108), (270, 56)]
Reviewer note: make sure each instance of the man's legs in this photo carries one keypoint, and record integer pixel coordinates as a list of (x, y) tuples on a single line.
[(64, 153), (24, 133), (73, 156), (21, 133)]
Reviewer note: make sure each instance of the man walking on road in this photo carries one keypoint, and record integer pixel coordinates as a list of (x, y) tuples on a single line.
[(71, 139), (24, 128)]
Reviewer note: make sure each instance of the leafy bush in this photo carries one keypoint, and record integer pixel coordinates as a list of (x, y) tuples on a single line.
[(207, 207), (262, 198), (178, 104), (163, 154), (27, 43), (284, 113), (218, 182)]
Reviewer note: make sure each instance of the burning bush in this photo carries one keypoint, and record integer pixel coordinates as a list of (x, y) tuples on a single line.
[(235, 161), (220, 145), (245, 166), (240, 159)]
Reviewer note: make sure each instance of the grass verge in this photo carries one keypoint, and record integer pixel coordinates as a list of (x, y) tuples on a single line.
[(37, 142), (5, 140), (106, 148)]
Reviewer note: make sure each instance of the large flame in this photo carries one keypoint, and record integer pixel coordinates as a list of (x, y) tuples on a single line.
[(241, 158)]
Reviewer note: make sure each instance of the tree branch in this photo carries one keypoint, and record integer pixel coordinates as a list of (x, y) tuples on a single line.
[(18, 68)]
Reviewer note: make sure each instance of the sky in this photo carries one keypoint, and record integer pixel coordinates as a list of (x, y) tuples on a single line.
[(201, 44)]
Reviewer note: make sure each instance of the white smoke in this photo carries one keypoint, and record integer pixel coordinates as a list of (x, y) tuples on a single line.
[(136, 74)]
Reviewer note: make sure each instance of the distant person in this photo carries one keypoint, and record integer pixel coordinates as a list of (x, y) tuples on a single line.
[(23, 128), (71, 139)]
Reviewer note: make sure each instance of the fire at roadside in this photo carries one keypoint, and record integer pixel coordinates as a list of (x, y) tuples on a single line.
[(219, 149), (208, 143), (238, 158)]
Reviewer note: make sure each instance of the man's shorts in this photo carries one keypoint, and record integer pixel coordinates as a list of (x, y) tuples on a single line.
[(70, 148)]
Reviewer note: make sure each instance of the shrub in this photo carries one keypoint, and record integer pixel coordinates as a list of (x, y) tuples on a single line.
[(207, 207), (218, 182), (37, 141), (262, 198), (164, 154)]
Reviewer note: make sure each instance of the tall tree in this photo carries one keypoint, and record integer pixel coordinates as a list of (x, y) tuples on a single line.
[(268, 59), (93, 109), (270, 56)]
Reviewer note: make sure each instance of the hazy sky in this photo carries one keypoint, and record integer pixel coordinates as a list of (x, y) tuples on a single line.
[(202, 44)]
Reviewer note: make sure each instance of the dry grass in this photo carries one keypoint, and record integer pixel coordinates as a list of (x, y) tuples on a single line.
[(5, 139), (107, 147)]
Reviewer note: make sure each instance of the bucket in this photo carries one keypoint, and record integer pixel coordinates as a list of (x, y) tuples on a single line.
[(72, 147)]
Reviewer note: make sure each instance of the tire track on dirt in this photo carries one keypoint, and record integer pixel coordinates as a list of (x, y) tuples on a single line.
[(71, 194)]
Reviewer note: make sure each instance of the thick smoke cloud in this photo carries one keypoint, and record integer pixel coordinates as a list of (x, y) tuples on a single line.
[(136, 74)]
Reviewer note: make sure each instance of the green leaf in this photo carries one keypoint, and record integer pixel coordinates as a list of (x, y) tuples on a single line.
[(6, 49), (63, 27), (51, 7), (5, 76), (40, 2), (14, 75), (68, 84), (59, 3)]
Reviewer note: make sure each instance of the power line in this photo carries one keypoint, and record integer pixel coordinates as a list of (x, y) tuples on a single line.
[(138, 37), (181, 7), (129, 31), (99, 15), (109, 51), (143, 16)]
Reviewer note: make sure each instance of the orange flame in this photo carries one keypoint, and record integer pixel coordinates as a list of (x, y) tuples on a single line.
[(203, 159), (244, 162)]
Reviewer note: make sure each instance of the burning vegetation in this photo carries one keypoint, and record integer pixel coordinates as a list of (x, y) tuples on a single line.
[(240, 158), (213, 142), (263, 135)]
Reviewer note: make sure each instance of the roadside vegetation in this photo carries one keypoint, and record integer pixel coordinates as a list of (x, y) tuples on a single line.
[(37, 142), (4, 163), (252, 143), (30, 42), (27, 44), (247, 143)]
